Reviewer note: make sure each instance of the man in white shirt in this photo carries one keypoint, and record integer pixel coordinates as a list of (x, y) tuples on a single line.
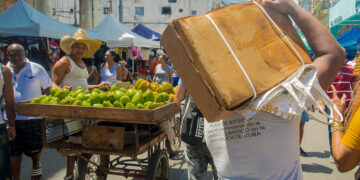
[(266, 146), (30, 80)]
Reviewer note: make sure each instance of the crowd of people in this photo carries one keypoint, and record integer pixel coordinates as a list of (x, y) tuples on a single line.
[(272, 155)]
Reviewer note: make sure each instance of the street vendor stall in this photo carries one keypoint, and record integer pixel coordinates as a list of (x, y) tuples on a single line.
[(109, 128), (23, 20)]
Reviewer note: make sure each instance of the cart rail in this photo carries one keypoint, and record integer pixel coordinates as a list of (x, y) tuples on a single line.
[(128, 151), (136, 116)]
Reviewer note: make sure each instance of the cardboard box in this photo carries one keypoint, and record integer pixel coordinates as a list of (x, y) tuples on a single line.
[(207, 67)]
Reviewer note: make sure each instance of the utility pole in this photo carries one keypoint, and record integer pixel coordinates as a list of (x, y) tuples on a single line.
[(75, 14), (110, 1), (121, 11)]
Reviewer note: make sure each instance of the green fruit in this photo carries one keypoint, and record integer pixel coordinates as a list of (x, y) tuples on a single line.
[(148, 96), (98, 105), (123, 90), (140, 106), (64, 101), (144, 85), (166, 96), (168, 86), (150, 105), (154, 86), (61, 94), (138, 98), (107, 104), (171, 97), (146, 103), (81, 96), (125, 99), (96, 90), (103, 97), (94, 98), (42, 97), (161, 88), (131, 93), (113, 88), (87, 92), (85, 103), (74, 94), (77, 103), (45, 100), (118, 104), (115, 95), (53, 91), (160, 98), (138, 82), (130, 106), (160, 104), (79, 88), (35, 100)]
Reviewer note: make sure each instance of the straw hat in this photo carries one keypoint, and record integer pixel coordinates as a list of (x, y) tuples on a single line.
[(80, 35), (123, 62)]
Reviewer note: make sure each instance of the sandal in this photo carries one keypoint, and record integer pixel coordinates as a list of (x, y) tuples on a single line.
[(69, 177), (36, 174)]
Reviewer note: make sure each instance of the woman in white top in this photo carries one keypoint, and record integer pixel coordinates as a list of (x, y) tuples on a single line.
[(111, 71), (163, 71)]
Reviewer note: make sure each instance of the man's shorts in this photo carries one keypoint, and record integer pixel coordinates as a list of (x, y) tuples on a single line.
[(304, 117), (29, 137)]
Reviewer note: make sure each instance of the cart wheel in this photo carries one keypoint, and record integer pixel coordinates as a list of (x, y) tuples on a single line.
[(89, 171), (172, 150), (158, 168)]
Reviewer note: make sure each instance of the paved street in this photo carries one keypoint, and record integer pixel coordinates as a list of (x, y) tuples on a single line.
[(316, 166)]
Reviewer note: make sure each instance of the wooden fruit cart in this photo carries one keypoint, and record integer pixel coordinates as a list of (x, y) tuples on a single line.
[(144, 158)]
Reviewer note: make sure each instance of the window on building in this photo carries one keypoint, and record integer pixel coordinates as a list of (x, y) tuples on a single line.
[(106, 10), (193, 12), (326, 4), (172, 1), (181, 10), (139, 11), (166, 11)]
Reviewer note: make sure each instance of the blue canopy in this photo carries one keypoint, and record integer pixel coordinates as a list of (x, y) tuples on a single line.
[(350, 40), (23, 20), (146, 32)]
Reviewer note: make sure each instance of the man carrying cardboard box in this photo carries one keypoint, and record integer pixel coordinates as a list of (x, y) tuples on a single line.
[(266, 146)]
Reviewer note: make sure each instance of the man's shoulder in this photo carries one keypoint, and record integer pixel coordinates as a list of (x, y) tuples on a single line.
[(36, 66), (37, 69)]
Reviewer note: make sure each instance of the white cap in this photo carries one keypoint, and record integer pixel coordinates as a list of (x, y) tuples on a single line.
[(160, 52)]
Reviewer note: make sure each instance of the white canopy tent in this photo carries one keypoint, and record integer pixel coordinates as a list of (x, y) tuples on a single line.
[(115, 34)]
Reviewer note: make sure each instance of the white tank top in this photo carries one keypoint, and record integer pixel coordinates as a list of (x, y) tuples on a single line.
[(76, 77), (1, 92), (109, 75)]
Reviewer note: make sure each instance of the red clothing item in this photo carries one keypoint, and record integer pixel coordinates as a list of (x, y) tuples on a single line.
[(343, 82)]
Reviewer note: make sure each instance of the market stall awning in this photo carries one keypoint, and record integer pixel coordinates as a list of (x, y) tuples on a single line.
[(350, 40), (345, 12), (115, 34), (23, 20), (146, 32)]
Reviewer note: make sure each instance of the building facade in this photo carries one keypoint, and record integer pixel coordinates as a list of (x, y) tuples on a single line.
[(157, 14)]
